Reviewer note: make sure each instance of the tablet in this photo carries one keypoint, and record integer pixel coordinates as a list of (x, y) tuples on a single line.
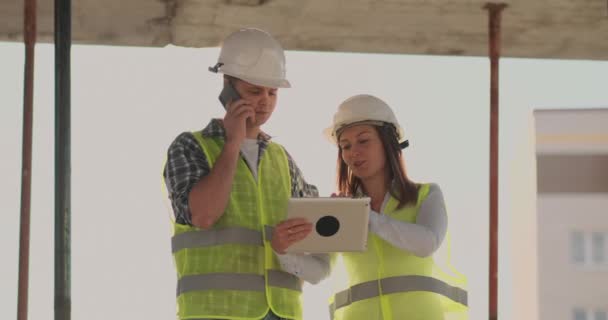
[(338, 224)]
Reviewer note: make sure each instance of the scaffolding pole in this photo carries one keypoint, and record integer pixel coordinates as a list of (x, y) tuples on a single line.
[(63, 39), (29, 38), (494, 11)]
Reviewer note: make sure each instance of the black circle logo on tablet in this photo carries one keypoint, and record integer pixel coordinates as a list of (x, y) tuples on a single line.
[(327, 226)]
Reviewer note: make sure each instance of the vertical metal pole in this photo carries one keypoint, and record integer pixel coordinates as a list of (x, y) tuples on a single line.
[(63, 39), (495, 10), (29, 38)]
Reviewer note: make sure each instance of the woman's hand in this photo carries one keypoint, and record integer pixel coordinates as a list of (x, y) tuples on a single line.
[(289, 232)]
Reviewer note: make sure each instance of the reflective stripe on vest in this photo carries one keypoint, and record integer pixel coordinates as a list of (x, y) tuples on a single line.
[(268, 230), (238, 281), (370, 289), (207, 238)]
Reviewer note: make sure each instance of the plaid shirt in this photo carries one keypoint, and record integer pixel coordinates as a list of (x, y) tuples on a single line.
[(187, 164)]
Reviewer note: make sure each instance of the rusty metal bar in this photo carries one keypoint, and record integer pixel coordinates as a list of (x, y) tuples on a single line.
[(29, 38), (494, 10), (63, 41)]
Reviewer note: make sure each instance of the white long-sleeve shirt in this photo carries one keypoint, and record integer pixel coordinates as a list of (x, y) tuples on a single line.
[(421, 238), (311, 268)]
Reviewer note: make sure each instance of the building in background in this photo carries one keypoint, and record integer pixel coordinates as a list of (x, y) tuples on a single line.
[(572, 213)]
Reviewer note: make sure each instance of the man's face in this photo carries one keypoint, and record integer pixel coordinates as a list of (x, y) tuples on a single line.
[(262, 99)]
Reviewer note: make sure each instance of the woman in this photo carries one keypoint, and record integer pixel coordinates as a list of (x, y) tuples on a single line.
[(397, 277)]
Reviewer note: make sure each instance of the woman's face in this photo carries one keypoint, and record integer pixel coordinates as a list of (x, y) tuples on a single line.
[(362, 151)]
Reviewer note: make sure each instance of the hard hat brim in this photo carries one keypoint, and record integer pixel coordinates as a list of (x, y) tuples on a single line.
[(269, 83), (330, 132)]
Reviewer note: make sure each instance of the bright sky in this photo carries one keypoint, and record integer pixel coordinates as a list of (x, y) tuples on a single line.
[(128, 104)]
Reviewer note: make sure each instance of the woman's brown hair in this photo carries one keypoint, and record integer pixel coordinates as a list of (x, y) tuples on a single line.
[(398, 184)]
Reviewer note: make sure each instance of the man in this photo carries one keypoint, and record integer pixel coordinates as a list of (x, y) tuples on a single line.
[(229, 186)]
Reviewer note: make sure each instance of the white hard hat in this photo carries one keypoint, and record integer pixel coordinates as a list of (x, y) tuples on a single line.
[(359, 109), (255, 56)]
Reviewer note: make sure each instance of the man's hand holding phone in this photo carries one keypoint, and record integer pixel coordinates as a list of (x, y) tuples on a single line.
[(235, 121)]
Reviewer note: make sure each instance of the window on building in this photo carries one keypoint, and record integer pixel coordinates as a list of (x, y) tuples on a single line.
[(577, 247), (579, 314), (589, 248), (598, 248)]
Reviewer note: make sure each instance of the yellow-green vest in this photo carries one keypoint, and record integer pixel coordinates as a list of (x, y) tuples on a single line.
[(389, 283), (230, 271)]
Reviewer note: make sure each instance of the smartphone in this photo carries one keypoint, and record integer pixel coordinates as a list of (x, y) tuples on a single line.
[(228, 94)]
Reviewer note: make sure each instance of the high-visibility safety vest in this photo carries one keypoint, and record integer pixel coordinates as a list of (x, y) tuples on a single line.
[(388, 283), (230, 270)]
